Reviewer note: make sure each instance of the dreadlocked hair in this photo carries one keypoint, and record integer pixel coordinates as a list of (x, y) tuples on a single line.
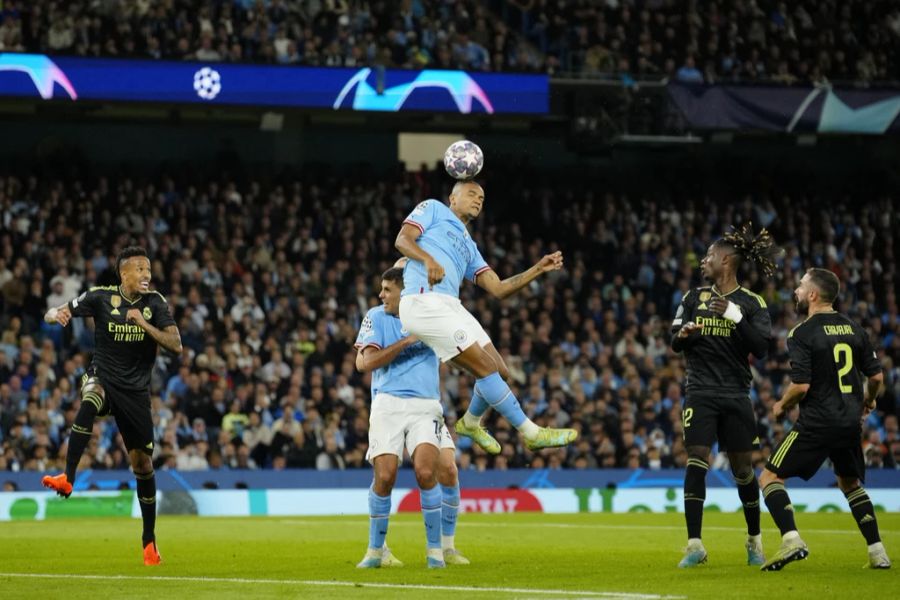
[(759, 248)]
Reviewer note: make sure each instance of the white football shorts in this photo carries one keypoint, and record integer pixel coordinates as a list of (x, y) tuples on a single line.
[(442, 323), (398, 423)]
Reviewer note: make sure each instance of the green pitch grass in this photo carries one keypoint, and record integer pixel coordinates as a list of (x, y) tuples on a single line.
[(516, 556)]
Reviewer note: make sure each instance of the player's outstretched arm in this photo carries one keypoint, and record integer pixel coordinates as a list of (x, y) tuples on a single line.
[(169, 338), (371, 358), (490, 282), (59, 314)]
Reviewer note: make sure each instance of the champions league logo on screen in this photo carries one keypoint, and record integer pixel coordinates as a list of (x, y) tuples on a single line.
[(185, 82), (428, 86), (43, 73)]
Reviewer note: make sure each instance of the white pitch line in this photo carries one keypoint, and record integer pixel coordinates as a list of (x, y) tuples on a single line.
[(391, 586), (585, 526)]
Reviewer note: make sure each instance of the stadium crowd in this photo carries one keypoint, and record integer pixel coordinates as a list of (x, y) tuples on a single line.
[(720, 40), (268, 281)]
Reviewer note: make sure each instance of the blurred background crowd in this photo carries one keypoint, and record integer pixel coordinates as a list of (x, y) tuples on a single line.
[(269, 278), (808, 41)]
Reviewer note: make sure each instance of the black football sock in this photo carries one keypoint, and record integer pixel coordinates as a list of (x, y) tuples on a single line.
[(863, 514), (748, 490), (694, 495), (81, 432), (780, 508), (146, 493)]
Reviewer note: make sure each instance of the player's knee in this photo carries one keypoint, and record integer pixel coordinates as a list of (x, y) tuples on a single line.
[(504, 371), (425, 475), (477, 360), (92, 396), (93, 386), (698, 452), (741, 467), (847, 483), (385, 477), (448, 475), (767, 477), (140, 462)]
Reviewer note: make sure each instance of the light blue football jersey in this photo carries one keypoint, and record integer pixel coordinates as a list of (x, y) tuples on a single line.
[(447, 240), (414, 373)]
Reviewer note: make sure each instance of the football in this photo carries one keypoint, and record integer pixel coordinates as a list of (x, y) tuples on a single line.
[(463, 159)]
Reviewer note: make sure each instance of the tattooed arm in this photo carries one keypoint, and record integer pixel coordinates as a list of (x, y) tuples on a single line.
[(490, 282)]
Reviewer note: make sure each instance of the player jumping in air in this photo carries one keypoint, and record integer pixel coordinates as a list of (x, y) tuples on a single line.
[(435, 239), (130, 322)]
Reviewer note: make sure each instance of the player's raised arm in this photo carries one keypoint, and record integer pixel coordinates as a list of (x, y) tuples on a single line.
[(491, 283)]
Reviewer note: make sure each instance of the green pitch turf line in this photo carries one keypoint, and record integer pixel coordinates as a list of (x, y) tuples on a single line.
[(396, 523), (353, 584)]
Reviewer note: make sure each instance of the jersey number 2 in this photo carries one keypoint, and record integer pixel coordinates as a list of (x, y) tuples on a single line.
[(843, 353)]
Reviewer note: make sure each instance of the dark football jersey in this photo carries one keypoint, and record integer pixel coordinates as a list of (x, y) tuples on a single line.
[(835, 357), (718, 356), (124, 352)]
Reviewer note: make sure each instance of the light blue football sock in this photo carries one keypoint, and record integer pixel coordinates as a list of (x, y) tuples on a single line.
[(379, 513), (478, 406), (431, 512), (500, 397), (449, 509)]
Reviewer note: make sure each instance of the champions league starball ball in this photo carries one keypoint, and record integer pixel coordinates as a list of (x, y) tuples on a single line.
[(463, 160)]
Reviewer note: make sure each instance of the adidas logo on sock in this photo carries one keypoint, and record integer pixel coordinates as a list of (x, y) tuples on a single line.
[(789, 507), (866, 519)]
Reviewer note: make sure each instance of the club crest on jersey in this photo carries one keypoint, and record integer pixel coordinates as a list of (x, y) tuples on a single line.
[(404, 331), (704, 296), (116, 301), (460, 336), (148, 314)]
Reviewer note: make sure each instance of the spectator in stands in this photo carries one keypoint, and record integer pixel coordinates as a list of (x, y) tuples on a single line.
[(584, 348)]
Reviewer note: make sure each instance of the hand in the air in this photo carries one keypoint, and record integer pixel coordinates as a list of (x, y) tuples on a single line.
[(551, 262)]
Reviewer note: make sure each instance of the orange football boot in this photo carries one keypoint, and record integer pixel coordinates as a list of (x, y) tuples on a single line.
[(58, 483), (151, 555)]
